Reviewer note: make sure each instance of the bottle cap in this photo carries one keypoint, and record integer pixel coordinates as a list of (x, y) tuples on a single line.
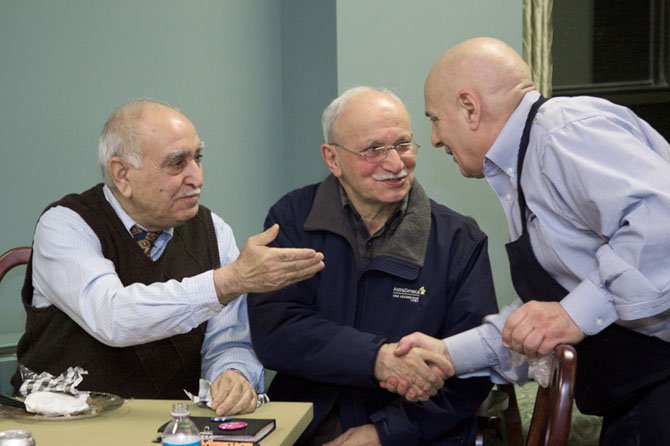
[(179, 410)]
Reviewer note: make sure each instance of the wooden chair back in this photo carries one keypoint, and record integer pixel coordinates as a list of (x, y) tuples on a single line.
[(14, 257), (552, 414)]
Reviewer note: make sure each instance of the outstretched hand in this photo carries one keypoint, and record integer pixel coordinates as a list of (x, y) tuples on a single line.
[(260, 268)]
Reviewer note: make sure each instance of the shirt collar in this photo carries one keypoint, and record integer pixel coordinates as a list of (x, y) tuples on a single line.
[(504, 152), (126, 219)]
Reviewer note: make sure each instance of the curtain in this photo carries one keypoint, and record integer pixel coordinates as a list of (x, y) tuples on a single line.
[(537, 38)]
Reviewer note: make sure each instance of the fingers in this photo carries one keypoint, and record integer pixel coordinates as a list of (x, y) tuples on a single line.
[(232, 394), (518, 337), (511, 324), (260, 269), (532, 343), (294, 254), (418, 374), (405, 344), (280, 275), (412, 395), (439, 363), (537, 327), (412, 367), (266, 237), (429, 381)]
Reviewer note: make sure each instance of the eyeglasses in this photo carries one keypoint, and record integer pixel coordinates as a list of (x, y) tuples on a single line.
[(375, 155)]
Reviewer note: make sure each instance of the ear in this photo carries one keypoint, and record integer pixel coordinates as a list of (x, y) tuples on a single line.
[(329, 155), (118, 171), (469, 108)]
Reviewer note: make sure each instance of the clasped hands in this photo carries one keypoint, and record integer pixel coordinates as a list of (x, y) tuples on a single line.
[(414, 368), (534, 330)]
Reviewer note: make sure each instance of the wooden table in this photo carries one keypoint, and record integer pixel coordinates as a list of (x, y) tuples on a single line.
[(136, 422)]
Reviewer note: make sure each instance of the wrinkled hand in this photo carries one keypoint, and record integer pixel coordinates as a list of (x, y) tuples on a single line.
[(260, 268), (232, 394), (445, 369), (424, 370), (365, 435), (536, 328)]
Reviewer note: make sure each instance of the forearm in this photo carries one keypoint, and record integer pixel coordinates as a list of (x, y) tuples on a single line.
[(479, 351), (70, 272), (121, 316), (227, 345)]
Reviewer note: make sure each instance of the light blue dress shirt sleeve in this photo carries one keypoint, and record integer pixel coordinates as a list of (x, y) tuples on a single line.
[(70, 272), (597, 183), (228, 339), (479, 351)]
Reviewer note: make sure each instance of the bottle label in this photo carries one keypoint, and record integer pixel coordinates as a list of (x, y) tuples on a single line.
[(182, 441)]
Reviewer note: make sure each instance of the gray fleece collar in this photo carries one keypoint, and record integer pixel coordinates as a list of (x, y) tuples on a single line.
[(409, 241)]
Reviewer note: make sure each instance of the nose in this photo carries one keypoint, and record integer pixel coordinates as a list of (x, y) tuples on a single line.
[(193, 173), (434, 139), (393, 161)]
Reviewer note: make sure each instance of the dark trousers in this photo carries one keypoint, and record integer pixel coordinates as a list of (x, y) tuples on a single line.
[(326, 431), (645, 423)]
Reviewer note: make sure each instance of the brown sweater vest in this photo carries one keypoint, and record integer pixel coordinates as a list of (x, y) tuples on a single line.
[(53, 342)]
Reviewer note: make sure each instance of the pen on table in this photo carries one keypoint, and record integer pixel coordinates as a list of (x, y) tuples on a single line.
[(220, 419)]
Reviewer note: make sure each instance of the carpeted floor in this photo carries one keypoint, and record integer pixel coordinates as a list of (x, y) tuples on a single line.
[(585, 429)]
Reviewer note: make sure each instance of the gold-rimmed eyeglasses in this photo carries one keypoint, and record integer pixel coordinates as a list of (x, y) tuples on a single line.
[(375, 155)]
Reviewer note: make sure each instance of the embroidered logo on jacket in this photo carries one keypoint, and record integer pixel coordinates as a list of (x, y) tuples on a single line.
[(408, 294)]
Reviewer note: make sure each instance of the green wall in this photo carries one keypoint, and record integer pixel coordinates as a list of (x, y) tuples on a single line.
[(253, 75), (393, 44), (65, 64)]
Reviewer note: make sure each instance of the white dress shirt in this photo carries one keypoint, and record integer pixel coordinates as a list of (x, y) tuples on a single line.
[(70, 272)]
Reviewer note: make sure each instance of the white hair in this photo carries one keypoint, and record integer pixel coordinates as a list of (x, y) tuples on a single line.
[(332, 112), (121, 136)]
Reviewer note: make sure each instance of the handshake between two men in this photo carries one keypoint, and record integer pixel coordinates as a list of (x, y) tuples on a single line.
[(415, 367), (418, 364)]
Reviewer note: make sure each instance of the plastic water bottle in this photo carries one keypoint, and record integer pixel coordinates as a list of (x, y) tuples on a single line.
[(181, 430)]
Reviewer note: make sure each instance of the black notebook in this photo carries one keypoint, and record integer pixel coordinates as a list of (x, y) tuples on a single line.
[(255, 430)]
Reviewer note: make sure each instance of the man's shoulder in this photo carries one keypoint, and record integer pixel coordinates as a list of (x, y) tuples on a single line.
[(79, 199), (298, 199), (448, 220)]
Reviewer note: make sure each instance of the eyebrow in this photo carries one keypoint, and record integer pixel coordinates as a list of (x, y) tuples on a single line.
[(177, 154), (399, 140)]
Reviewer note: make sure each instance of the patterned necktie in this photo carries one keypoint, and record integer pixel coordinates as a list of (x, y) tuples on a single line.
[(145, 239)]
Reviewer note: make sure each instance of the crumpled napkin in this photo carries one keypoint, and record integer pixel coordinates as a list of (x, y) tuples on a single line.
[(204, 396), (56, 404), (66, 382), (53, 395), (539, 369)]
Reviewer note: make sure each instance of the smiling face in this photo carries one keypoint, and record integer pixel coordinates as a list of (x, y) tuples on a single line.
[(372, 119), (165, 191)]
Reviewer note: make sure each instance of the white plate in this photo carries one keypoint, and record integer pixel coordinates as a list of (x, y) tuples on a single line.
[(98, 403)]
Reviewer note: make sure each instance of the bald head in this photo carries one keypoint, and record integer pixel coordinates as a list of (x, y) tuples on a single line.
[(469, 94), (353, 98), (489, 67)]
